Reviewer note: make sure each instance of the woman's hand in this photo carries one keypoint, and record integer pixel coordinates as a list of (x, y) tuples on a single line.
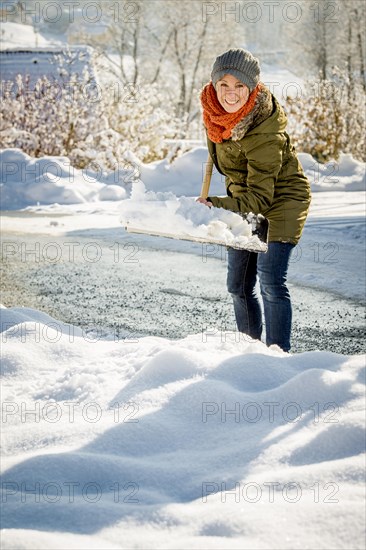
[(204, 201)]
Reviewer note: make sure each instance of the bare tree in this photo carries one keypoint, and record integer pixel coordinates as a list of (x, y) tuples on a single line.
[(312, 40), (359, 10), (194, 41)]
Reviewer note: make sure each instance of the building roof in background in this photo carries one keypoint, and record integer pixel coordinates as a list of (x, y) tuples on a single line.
[(5, 3), (38, 62)]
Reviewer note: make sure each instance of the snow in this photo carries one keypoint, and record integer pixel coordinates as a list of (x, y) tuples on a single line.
[(26, 181), (16, 35), (48, 180), (183, 217), (154, 443), (346, 174)]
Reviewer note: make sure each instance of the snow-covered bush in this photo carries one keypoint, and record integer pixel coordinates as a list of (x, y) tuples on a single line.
[(49, 118), (145, 121), (90, 125), (329, 118)]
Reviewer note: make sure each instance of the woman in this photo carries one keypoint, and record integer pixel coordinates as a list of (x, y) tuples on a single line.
[(247, 141)]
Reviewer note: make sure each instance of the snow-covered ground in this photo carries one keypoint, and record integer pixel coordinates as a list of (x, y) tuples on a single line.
[(203, 442), (199, 443)]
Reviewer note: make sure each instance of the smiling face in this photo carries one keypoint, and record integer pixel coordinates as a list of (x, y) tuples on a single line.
[(231, 93)]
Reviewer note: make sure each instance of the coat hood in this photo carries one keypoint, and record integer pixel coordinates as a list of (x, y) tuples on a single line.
[(267, 117)]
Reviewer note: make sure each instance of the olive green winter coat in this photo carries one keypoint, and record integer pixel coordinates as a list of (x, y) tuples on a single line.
[(263, 174)]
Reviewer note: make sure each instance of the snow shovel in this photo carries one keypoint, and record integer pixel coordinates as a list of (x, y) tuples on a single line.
[(256, 234)]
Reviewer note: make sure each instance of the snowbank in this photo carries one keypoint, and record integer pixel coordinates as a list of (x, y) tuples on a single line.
[(346, 174), (27, 181), (206, 442)]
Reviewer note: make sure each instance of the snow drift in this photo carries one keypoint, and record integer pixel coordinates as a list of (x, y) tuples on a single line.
[(213, 440), (27, 181)]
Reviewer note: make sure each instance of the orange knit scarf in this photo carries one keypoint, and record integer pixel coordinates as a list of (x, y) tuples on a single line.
[(218, 122)]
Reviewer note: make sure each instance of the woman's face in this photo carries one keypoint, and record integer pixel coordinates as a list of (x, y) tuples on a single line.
[(231, 93)]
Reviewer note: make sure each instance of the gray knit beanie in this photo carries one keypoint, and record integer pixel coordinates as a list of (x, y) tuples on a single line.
[(239, 63)]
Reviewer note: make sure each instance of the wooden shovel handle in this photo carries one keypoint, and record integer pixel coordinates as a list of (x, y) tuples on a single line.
[(207, 179)]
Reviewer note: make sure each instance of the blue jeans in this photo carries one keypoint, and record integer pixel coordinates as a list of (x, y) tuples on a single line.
[(271, 267)]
